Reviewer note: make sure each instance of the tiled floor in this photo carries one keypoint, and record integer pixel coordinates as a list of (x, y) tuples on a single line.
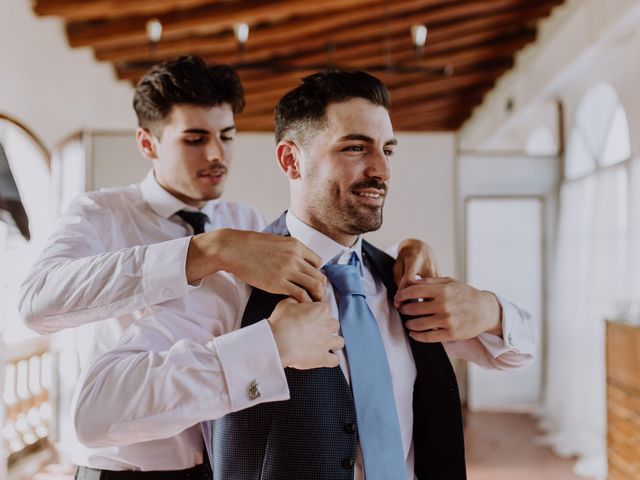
[(499, 447)]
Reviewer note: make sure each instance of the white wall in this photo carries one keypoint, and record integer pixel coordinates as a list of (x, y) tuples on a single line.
[(51, 88)]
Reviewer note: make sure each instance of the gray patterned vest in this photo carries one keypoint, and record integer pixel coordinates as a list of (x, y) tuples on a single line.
[(313, 435)]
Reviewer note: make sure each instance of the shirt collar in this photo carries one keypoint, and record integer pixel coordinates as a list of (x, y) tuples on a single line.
[(327, 249), (165, 204)]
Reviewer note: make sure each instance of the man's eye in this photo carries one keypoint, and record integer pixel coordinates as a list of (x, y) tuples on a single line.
[(388, 152), (194, 141), (354, 148), (226, 139)]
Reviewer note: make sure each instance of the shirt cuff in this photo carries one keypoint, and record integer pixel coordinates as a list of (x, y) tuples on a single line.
[(163, 270), (251, 365), (517, 334)]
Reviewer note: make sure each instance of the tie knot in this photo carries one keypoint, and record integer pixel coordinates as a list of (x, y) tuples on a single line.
[(345, 278), (195, 219)]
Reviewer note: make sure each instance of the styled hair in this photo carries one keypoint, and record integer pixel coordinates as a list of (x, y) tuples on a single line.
[(185, 80), (303, 109)]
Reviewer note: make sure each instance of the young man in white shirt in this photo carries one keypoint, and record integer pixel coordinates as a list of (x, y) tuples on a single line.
[(122, 254), (192, 361)]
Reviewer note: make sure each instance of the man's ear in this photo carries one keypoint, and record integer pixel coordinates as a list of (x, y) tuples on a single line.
[(146, 145), (288, 154)]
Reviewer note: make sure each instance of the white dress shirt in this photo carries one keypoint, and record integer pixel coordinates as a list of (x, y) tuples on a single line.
[(189, 362), (114, 256)]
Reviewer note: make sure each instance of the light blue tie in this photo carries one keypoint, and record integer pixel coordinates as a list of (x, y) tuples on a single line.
[(378, 428)]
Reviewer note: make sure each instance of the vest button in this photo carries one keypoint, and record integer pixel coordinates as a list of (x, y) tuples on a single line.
[(350, 428), (348, 463)]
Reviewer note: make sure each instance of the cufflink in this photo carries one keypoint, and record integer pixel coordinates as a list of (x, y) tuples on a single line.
[(254, 390), (509, 341)]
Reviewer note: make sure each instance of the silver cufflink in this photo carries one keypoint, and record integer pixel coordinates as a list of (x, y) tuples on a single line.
[(254, 390)]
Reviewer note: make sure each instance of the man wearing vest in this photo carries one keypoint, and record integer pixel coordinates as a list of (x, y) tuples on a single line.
[(386, 406)]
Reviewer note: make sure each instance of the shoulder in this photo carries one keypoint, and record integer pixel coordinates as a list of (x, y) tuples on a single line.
[(242, 215), (106, 203)]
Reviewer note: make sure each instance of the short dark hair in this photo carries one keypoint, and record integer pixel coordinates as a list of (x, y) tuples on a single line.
[(185, 80), (304, 107)]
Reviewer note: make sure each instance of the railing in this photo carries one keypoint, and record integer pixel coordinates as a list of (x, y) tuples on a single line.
[(27, 400)]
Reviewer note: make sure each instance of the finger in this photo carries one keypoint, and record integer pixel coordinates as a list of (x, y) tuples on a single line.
[(412, 267), (428, 307), (330, 360), (427, 269), (294, 291), (313, 284), (422, 324), (338, 343), (413, 292), (334, 326), (311, 257), (288, 300), (435, 336)]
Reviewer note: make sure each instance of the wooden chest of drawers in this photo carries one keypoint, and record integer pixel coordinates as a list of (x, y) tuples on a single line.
[(623, 401)]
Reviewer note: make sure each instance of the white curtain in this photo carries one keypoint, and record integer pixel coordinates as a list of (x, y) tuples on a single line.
[(591, 276)]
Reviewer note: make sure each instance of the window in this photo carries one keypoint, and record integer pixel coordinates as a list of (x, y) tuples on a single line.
[(600, 136), (24, 183)]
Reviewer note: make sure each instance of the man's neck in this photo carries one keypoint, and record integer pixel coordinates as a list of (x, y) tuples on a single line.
[(336, 235)]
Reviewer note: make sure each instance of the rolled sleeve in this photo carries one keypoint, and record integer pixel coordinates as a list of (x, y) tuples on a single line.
[(251, 365)]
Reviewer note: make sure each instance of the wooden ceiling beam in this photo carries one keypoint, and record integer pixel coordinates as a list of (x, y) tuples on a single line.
[(403, 90), (454, 96), (266, 44), (201, 20), (84, 10), (401, 86), (441, 37), (268, 36)]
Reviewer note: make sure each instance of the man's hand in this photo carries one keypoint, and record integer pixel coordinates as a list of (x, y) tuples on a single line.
[(414, 258), (280, 265), (305, 334), (448, 310)]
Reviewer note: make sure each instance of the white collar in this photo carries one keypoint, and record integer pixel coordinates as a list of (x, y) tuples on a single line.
[(165, 204), (327, 249)]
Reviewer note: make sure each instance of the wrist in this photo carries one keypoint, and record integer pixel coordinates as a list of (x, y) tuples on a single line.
[(284, 360), (494, 314), (205, 254)]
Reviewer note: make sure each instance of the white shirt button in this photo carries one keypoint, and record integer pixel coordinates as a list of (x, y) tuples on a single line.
[(166, 292)]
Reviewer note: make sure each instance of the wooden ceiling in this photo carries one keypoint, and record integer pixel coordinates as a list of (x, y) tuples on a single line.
[(476, 39)]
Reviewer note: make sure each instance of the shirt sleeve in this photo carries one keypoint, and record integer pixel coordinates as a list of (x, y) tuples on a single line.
[(184, 365), (74, 281), (516, 348)]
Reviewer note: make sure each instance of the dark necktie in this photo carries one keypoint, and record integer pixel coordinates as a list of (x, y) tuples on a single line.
[(378, 426), (195, 219)]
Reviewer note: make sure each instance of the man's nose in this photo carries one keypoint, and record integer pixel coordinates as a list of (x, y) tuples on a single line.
[(379, 166), (215, 151)]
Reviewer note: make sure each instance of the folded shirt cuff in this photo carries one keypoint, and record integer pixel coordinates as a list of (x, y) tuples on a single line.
[(164, 274), (251, 365), (517, 332)]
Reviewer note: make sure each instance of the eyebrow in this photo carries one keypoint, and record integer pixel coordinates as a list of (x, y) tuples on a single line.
[(202, 131), (365, 138)]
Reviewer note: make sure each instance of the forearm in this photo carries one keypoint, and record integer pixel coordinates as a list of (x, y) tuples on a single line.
[(168, 391), (515, 347), (63, 291)]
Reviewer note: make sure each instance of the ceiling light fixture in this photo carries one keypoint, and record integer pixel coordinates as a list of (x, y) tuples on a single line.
[(419, 38), (154, 33), (241, 32)]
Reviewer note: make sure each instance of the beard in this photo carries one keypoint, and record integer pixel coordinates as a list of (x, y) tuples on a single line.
[(359, 219), (352, 217)]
